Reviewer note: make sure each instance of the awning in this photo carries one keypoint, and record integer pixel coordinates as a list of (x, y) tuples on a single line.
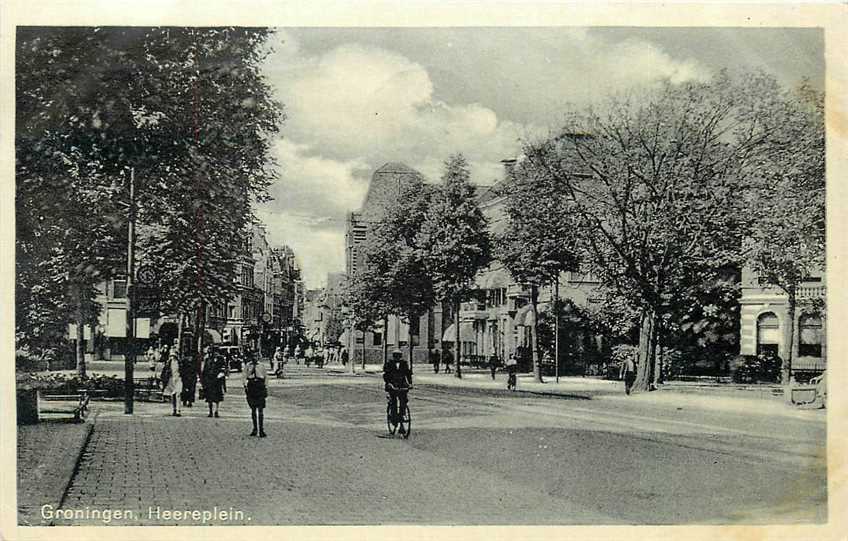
[(214, 335), (466, 333), (525, 317)]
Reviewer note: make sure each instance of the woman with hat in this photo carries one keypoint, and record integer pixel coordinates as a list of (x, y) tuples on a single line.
[(213, 375), (172, 381)]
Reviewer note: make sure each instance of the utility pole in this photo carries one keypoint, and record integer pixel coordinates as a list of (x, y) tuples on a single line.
[(129, 356), (556, 326)]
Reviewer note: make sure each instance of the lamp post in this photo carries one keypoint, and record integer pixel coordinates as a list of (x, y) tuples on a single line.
[(556, 326), (129, 357)]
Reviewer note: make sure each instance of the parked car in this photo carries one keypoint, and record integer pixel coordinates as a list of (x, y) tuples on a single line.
[(232, 355)]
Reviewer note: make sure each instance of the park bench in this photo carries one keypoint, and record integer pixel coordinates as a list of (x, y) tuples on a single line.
[(75, 404)]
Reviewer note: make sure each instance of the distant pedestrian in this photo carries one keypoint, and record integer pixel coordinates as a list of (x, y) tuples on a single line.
[(436, 358), (213, 376), (279, 362), (628, 371), (512, 370), (188, 373), (345, 357), (172, 381), (298, 354), (256, 391), (447, 360), (494, 362)]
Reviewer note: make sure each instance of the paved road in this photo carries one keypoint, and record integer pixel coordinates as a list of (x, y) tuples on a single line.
[(474, 458)]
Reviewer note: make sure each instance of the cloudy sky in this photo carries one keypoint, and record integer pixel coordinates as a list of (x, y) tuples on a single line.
[(357, 98)]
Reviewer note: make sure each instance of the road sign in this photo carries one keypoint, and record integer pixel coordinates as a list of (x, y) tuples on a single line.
[(147, 301), (147, 275)]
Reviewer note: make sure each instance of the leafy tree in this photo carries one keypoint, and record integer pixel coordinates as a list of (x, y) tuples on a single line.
[(454, 240), (539, 242), (787, 236), (395, 259), (187, 109), (657, 182)]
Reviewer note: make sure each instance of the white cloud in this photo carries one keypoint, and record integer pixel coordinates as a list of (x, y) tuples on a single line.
[(319, 250), (355, 106)]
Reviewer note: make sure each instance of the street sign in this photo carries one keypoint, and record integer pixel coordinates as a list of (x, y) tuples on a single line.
[(147, 275), (147, 301)]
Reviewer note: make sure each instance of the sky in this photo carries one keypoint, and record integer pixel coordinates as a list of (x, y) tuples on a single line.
[(356, 98)]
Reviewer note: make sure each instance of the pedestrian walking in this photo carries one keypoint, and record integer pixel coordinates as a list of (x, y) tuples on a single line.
[(256, 391), (512, 370), (213, 376), (494, 362), (298, 354), (345, 357), (172, 383), (188, 374), (628, 371), (447, 359), (436, 359), (279, 362)]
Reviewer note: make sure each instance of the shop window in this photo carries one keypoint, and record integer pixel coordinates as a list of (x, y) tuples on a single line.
[(768, 334), (810, 336)]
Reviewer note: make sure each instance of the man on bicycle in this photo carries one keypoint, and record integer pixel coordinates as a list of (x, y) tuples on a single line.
[(397, 377)]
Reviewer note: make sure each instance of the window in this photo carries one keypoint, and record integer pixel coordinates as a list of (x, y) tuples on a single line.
[(768, 333), (378, 339), (810, 336), (359, 339), (119, 289), (231, 311)]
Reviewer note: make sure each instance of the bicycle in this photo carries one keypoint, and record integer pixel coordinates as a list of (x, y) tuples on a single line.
[(403, 420), (511, 381)]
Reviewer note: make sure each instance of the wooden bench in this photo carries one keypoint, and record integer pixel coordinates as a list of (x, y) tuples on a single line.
[(78, 404)]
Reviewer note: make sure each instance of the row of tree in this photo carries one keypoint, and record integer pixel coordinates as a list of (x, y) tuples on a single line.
[(188, 112), (663, 194)]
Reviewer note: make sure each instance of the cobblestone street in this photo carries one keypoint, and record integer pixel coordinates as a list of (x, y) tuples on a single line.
[(472, 459)]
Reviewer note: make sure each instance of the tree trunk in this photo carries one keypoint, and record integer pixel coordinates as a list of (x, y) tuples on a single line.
[(80, 345), (657, 378), (457, 341), (411, 342), (179, 343), (786, 365), (647, 352), (534, 342), (385, 342)]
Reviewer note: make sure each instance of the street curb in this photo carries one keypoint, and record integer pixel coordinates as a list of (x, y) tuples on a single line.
[(75, 470)]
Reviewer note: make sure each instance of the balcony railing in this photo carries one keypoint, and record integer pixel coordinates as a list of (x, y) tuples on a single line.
[(810, 292)]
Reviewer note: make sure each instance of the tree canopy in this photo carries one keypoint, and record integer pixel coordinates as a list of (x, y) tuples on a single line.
[(187, 109)]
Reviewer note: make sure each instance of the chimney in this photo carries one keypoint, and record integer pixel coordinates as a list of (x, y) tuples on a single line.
[(509, 166)]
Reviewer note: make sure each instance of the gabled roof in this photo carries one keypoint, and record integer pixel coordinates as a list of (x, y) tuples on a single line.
[(396, 167)]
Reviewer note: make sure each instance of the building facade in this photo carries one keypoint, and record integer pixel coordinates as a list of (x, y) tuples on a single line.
[(765, 326), (387, 184)]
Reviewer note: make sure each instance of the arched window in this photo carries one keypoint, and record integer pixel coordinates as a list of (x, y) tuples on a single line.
[(810, 336), (768, 334)]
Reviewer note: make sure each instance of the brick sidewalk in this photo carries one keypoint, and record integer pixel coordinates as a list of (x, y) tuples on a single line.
[(317, 466), (47, 455)]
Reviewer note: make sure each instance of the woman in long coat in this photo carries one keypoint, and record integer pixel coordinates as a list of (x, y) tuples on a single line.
[(213, 376), (173, 383), (188, 372)]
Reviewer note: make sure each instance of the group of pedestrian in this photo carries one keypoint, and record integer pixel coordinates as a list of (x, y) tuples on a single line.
[(178, 378)]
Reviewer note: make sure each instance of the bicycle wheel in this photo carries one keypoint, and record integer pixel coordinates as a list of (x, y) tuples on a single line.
[(406, 422), (390, 424)]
